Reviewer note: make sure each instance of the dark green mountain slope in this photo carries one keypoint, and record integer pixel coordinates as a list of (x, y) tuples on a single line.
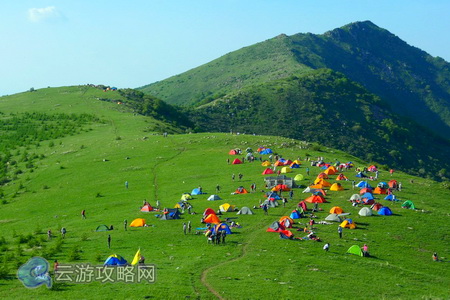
[(326, 107), (414, 83)]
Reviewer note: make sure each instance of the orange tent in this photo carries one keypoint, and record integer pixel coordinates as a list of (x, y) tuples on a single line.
[(278, 163), (336, 210), (137, 223), (322, 175), (241, 190), (212, 218), (393, 184), (341, 177), (331, 170), (282, 187), (377, 206), (379, 190), (365, 190), (286, 221), (322, 182), (147, 208), (233, 152), (315, 199)]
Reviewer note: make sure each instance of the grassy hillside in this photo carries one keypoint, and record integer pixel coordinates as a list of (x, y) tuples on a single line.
[(87, 170)]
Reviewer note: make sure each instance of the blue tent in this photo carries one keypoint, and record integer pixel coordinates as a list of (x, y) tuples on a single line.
[(363, 184), (295, 166), (273, 195), (266, 151), (385, 211), (115, 260), (383, 185), (196, 192), (361, 175), (390, 197), (368, 196), (295, 215), (221, 227)]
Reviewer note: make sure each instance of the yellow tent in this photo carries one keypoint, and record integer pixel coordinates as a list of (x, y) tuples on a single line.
[(336, 187), (347, 224), (285, 170), (266, 163), (322, 182), (298, 177), (331, 170), (297, 162), (226, 207), (336, 210), (137, 222), (137, 257), (186, 196)]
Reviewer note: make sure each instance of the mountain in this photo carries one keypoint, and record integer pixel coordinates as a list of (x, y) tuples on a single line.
[(412, 82)]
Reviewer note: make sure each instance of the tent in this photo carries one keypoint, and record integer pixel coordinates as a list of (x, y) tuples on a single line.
[(273, 196), (376, 206), (170, 214), (287, 162), (295, 214), (294, 166), (226, 207), (333, 218), (282, 187), (368, 196), (212, 219), (137, 222), (365, 212), (390, 197), (233, 152), (214, 198), (196, 191), (241, 190), (322, 175), (368, 201), (186, 196), (245, 211), (298, 177), (322, 182), (275, 227), (363, 184), (270, 203), (348, 223), (237, 161), (278, 163), (266, 151), (266, 163), (209, 211), (331, 170), (336, 210), (267, 171), (379, 191), (221, 227), (341, 177), (336, 187), (286, 221), (102, 228), (285, 170), (408, 204), (286, 234), (355, 249), (180, 204), (115, 260), (382, 185), (385, 211), (372, 168), (361, 175), (302, 204), (393, 184), (315, 199), (355, 197), (365, 190), (147, 208)]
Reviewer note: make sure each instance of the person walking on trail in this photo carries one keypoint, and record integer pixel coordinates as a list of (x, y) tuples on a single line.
[(340, 232), (126, 184), (83, 214), (63, 232), (184, 228), (326, 247), (109, 241), (218, 188), (125, 223), (189, 225)]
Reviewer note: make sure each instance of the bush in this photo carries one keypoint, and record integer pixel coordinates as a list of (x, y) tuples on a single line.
[(74, 253)]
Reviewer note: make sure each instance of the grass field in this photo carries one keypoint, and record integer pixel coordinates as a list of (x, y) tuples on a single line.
[(88, 171)]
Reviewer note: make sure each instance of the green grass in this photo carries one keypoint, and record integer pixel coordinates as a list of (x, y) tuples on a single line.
[(253, 264)]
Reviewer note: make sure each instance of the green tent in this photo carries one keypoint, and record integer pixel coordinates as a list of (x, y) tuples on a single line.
[(355, 249), (408, 204), (102, 228)]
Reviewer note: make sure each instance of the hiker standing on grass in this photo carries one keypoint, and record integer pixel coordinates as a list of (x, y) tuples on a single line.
[(353, 184), (126, 184), (340, 232), (291, 194), (307, 171), (326, 247), (228, 161), (264, 207), (109, 241), (233, 176), (158, 204), (125, 222), (284, 201), (49, 234), (189, 225), (83, 214), (240, 176), (311, 223), (217, 188), (63, 232), (224, 235), (365, 250), (184, 228), (399, 187)]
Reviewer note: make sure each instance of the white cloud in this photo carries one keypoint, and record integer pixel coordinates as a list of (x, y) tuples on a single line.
[(41, 14)]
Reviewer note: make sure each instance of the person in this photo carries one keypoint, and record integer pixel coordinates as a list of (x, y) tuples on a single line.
[(240, 176), (264, 207), (311, 223), (189, 208), (184, 228), (376, 174), (158, 204), (326, 247), (228, 161), (232, 177), (365, 250), (291, 194), (109, 241), (63, 232), (353, 184), (399, 186), (391, 171), (83, 214), (340, 231), (224, 234), (284, 201), (307, 171), (49, 234), (217, 188), (316, 207), (189, 225), (200, 189), (55, 266), (435, 257), (141, 260), (125, 222), (126, 184)]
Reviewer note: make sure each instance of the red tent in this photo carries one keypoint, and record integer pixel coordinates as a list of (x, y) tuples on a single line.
[(377, 206), (233, 152), (267, 171), (302, 204), (209, 211), (393, 184), (147, 208), (237, 161), (315, 199), (212, 218), (365, 190)]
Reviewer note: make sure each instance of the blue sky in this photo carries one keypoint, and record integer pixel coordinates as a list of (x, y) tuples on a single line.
[(133, 43)]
